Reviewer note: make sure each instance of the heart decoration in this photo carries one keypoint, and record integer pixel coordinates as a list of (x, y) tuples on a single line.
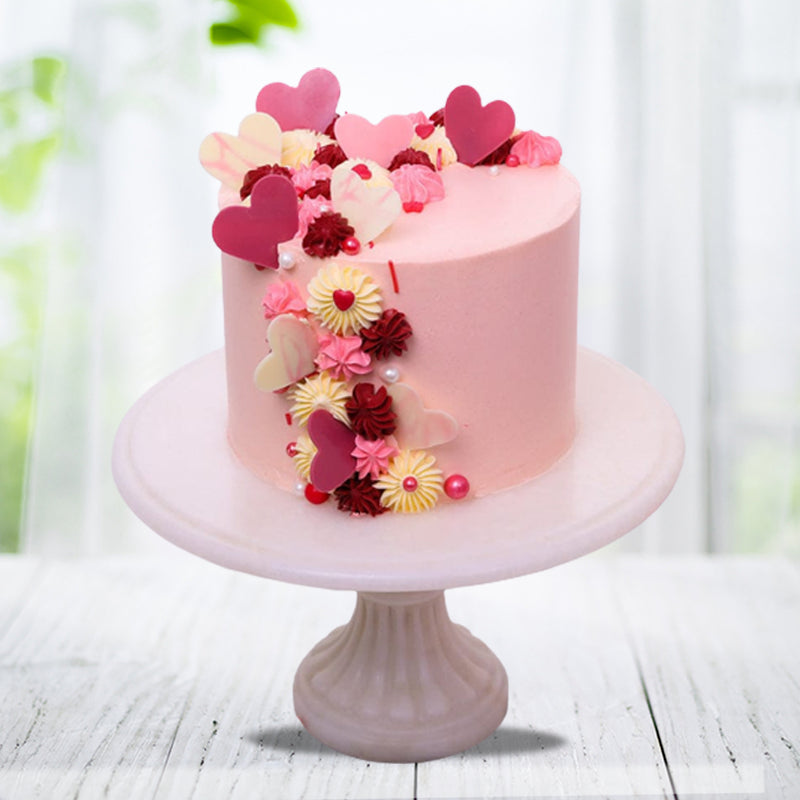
[(253, 232), (475, 130), (418, 427), (311, 105), (369, 209), (333, 463), (294, 347), (228, 157), (380, 143)]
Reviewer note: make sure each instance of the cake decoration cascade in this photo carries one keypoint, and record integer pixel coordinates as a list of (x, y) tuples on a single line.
[(332, 184)]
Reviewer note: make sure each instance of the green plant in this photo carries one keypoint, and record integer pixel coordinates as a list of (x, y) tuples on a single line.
[(250, 19)]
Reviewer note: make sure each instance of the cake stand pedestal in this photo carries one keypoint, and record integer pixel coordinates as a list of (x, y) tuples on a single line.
[(400, 681)]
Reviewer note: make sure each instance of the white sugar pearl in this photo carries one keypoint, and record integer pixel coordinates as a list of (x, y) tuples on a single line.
[(389, 374), (300, 488), (286, 260), (326, 209), (494, 170)]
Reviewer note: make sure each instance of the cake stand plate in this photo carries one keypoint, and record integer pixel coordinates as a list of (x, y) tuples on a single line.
[(400, 681)]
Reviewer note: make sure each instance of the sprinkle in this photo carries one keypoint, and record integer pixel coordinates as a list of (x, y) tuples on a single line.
[(288, 418), (395, 285)]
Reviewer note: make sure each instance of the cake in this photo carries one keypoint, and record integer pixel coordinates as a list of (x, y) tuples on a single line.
[(399, 299)]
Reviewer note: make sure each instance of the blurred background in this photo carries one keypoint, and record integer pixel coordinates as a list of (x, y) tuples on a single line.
[(681, 120)]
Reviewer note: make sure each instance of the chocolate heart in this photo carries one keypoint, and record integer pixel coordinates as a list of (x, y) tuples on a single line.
[(311, 105), (343, 299), (417, 427), (293, 348), (380, 143), (253, 233), (369, 209), (475, 130), (333, 464)]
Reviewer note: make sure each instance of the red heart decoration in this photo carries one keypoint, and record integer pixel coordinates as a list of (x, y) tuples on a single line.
[(333, 464), (253, 233), (343, 299), (311, 105), (475, 130)]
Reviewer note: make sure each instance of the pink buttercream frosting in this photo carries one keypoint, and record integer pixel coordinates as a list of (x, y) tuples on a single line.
[(417, 186), (372, 456), (283, 298), (306, 176), (536, 150), (342, 356)]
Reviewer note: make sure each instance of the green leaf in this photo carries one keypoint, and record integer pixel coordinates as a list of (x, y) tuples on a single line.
[(271, 12), (225, 33), (21, 172), (47, 75), (9, 109)]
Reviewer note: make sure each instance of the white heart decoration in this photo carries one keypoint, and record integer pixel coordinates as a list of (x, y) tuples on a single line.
[(369, 209), (294, 348), (417, 427), (228, 157)]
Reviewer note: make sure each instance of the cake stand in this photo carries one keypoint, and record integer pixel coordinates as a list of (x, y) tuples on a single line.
[(400, 681)]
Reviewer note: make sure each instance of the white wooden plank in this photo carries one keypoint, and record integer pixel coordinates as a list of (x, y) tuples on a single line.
[(239, 737), (578, 723), (17, 577), (718, 640)]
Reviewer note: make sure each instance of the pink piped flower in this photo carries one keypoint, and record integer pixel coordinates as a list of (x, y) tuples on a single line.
[(283, 298), (417, 186), (307, 175), (309, 209), (372, 456), (535, 150), (342, 356)]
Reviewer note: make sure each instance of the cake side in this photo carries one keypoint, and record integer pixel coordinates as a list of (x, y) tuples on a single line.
[(494, 341)]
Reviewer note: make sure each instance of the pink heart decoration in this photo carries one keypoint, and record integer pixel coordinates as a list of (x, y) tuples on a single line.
[(253, 233), (311, 105), (475, 130), (333, 464), (294, 347), (416, 426), (380, 143), (369, 209)]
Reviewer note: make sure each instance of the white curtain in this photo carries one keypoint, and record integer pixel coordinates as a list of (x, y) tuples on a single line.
[(680, 120)]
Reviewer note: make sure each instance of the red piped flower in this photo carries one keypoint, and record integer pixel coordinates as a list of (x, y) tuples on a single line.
[(326, 234), (411, 156), (253, 176), (329, 131), (499, 155), (387, 335), (370, 411), (437, 118), (330, 154), (321, 188), (359, 496)]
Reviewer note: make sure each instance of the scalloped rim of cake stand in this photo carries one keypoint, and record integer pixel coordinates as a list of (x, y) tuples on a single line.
[(175, 469)]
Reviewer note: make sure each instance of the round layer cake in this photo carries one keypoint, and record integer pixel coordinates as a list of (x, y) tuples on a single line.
[(487, 278), (400, 298)]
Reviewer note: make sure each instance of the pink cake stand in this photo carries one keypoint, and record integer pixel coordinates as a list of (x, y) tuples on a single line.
[(400, 681)]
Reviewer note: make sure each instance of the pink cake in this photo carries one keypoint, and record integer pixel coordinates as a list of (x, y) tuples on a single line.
[(400, 299)]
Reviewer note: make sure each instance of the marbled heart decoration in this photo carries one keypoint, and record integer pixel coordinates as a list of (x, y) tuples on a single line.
[(312, 104), (293, 348)]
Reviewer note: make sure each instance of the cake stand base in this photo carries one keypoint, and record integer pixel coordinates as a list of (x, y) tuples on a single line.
[(401, 682)]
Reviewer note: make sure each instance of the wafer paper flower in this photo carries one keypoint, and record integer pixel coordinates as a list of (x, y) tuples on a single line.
[(413, 483), (372, 456), (283, 298), (342, 356), (319, 392), (306, 176)]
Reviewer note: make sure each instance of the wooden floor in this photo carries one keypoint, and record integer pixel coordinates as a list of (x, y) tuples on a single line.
[(172, 678)]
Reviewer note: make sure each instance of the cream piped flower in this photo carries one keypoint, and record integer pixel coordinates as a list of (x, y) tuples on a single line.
[(304, 452), (344, 299), (438, 148), (319, 392), (299, 146), (412, 484)]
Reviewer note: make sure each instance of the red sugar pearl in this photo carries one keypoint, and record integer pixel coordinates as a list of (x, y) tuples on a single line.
[(456, 487), (291, 449), (410, 483), (512, 160), (351, 246), (314, 495)]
